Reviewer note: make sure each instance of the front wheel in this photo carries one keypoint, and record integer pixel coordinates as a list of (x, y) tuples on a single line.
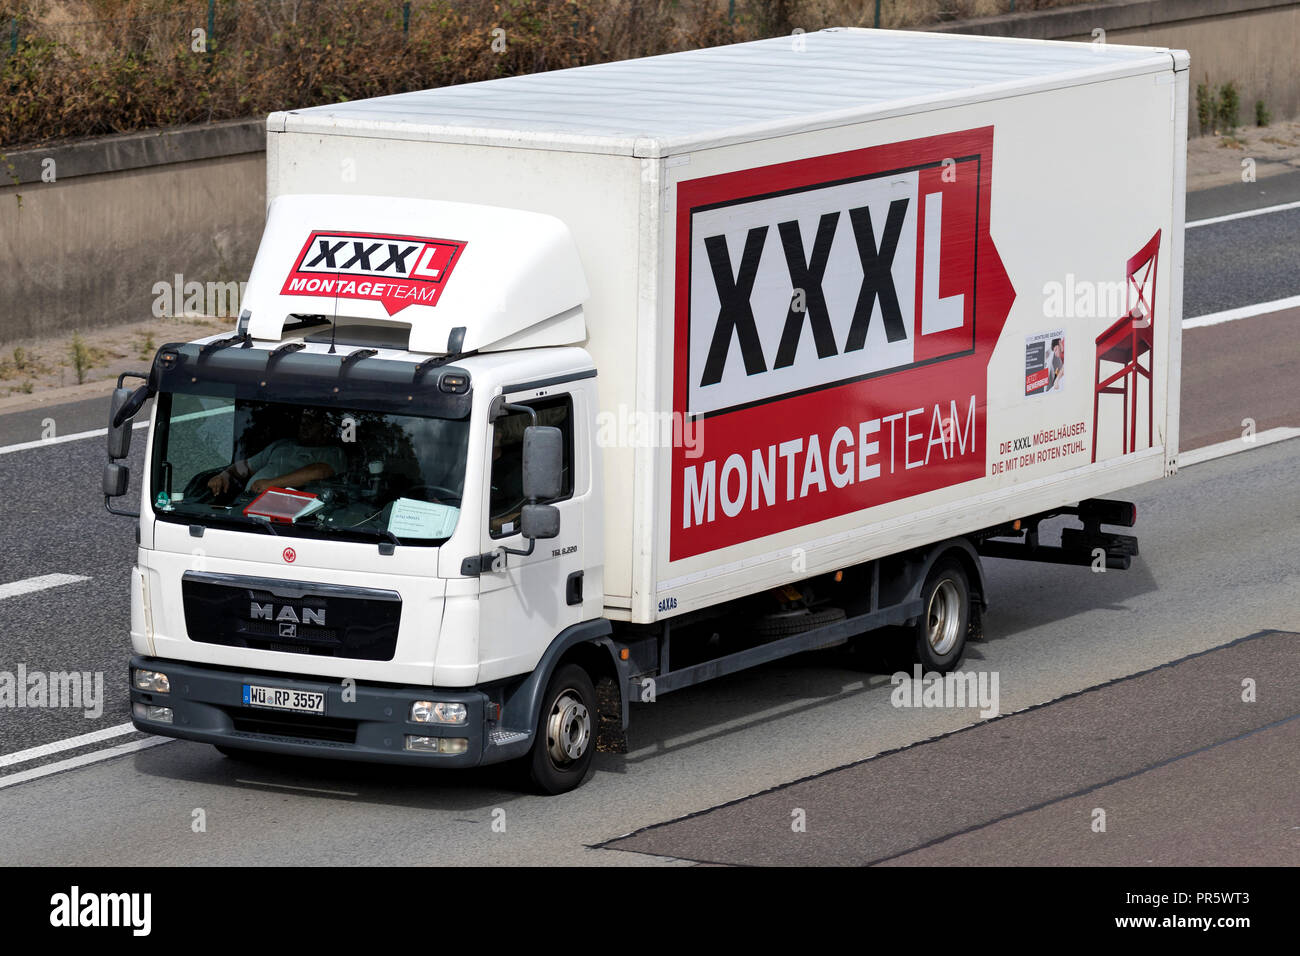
[(565, 741), (939, 635)]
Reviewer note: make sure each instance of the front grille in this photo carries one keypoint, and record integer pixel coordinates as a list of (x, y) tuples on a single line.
[(291, 616), (272, 724)]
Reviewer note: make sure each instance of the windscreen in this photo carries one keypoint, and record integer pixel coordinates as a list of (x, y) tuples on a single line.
[(307, 470)]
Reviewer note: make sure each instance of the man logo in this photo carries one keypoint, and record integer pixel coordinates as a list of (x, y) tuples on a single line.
[(287, 614)]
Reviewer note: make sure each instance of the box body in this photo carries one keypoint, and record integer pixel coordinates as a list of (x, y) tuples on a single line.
[(864, 318)]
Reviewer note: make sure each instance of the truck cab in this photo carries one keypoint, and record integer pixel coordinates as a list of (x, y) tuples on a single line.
[(440, 533)]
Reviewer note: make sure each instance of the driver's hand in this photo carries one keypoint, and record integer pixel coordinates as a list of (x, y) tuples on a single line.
[(260, 485), (219, 483)]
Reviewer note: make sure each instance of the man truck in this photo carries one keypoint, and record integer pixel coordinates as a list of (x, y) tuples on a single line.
[(552, 394)]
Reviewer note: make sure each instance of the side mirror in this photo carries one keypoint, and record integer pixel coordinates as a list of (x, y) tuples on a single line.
[(539, 521), (116, 479), (543, 463), (125, 403)]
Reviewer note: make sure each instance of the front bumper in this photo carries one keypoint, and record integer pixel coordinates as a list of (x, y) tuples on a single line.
[(207, 705)]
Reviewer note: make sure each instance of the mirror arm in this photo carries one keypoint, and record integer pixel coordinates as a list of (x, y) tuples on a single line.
[(532, 543), (108, 506), (132, 405), (501, 408)]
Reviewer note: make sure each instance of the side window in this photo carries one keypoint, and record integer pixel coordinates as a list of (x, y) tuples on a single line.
[(507, 495)]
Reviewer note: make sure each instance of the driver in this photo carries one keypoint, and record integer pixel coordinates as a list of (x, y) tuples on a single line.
[(286, 463)]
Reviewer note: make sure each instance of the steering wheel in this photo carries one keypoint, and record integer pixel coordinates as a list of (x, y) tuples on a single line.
[(441, 494), (197, 489)]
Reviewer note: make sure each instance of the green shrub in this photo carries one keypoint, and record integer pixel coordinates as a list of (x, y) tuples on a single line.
[(1229, 106), (1207, 107), (1262, 116), (80, 353)]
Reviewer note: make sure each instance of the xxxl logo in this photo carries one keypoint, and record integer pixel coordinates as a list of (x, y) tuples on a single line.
[(831, 282), (835, 316), (395, 270)]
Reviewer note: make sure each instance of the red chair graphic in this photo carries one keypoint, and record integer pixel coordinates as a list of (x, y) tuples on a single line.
[(1125, 344)]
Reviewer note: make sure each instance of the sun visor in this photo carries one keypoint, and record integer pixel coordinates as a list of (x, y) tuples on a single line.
[(433, 266)]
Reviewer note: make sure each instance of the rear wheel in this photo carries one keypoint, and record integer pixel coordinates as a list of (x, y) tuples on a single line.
[(565, 741), (939, 635)]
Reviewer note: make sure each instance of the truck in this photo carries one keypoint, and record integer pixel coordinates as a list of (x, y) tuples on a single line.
[(551, 394)]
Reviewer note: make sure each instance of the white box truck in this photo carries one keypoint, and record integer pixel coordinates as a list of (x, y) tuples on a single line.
[(554, 393)]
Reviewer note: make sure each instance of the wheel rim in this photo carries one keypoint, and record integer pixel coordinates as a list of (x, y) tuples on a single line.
[(568, 729), (944, 617)]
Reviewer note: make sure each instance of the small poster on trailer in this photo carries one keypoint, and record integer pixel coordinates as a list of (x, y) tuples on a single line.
[(1044, 362)]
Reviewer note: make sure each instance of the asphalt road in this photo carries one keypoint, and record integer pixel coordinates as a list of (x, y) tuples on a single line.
[(1231, 264), (1027, 789), (1219, 561)]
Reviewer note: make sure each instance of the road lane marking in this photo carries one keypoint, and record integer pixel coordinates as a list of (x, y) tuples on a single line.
[(29, 585), (286, 786), (72, 763), (1243, 215), (60, 439), (69, 743), (1234, 445), (1245, 312)]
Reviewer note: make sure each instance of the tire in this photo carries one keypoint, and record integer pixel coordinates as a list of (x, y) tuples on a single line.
[(565, 741), (784, 624), (938, 639)]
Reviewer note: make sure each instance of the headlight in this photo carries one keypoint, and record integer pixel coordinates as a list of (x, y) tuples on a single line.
[(438, 745), (438, 712), (152, 681), (151, 712)]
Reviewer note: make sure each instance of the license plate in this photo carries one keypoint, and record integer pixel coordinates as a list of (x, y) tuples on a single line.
[(281, 698)]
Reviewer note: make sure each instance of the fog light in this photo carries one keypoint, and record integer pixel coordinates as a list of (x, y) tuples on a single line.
[(162, 715), (437, 745), (152, 681), (438, 712)]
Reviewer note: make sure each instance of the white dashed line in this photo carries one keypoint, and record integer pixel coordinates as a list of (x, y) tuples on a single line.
[(28, 585), (1243, 215), (70, 743), (60, 439), (1245, 312), (1231, 447), (121, 750), (286, 786)]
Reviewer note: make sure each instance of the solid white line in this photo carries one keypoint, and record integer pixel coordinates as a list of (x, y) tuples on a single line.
[(286, 786), (1234, 445), (70, 743), (28, 585), (1243, 215), (121, 750), (1245, 312), (60, 439)]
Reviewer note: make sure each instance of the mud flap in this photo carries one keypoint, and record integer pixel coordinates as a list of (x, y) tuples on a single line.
[(611, 738)]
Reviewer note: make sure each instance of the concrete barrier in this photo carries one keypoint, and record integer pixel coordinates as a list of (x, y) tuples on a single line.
[(87, 230), (1252, 43), (91, 232)]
